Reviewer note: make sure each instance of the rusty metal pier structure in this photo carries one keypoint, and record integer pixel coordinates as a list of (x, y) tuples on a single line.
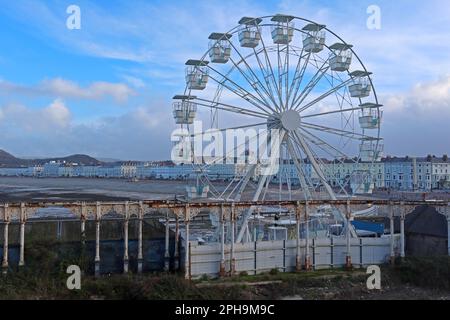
[(185, 213)]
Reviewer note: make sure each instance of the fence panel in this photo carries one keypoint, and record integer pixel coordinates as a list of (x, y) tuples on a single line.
[(281, 255)]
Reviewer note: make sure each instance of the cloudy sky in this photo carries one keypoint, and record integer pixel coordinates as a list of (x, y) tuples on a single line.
[(106, 89)]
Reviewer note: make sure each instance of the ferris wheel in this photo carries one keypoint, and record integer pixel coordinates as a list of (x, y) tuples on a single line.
[(299, 77)]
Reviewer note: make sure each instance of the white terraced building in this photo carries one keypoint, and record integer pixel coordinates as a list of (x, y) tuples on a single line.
[(404, 174), (422, 174), (440, 171)]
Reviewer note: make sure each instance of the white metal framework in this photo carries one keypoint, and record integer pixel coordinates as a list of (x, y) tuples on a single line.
[(279, 72)]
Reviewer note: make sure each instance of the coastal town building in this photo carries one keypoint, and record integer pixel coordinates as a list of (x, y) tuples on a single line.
[(393, 173)]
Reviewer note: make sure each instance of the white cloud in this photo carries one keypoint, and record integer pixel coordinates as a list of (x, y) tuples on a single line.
[(134, 81), (104, 51), (19, 118), (57, 114), (425, 98), (63, 88), (415, 122), (140, 134)]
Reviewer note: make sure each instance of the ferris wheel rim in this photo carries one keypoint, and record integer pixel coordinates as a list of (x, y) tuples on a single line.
[(237, 28)]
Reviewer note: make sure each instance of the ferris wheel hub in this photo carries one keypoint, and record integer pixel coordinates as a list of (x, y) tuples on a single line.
[(290, 120)]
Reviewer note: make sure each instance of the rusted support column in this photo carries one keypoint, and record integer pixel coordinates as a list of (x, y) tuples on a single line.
[(140, 255), (187, 260), (125, 238), (6, 221), (447, 211), (176, 259), (298, 260), (348, 257), (83, 224), (233, 225), (22, 235), (307, 256), (97, 239), (167, 243), (402, 230), (222, 242), (391, 219), (448, 233)]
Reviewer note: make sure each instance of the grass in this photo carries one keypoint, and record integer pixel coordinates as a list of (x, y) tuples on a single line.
[(44, 277), (428, 272)]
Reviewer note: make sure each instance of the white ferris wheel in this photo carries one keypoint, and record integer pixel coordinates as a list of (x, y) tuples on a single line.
[(291, 74)]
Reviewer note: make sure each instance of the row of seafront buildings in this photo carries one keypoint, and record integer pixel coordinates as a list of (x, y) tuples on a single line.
[(396, 173)]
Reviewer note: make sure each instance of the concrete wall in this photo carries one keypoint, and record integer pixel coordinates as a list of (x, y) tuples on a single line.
[(258, 257)]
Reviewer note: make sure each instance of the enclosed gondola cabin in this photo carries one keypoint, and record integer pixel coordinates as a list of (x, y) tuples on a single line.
[(313, 38), (340, 57), (371, 149), (369, 116), (283, 30), (249, 35), (184, 110), (219, 47), (196, 74), (360, 182), (360, 87)]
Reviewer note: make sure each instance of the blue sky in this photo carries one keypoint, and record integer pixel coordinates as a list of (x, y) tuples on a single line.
[(106, 89)]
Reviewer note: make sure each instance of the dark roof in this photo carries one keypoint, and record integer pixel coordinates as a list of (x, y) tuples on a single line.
[(426, 220), (432, 159), (422, 220)]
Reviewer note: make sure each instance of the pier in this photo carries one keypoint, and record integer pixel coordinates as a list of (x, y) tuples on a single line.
[(226, 256)]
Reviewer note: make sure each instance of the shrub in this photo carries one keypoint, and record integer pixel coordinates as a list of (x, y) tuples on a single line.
[(432, 272), (274, 272)]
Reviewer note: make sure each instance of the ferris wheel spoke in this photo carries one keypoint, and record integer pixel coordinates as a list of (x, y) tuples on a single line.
[(269, 66), (228, 197), (339, 132), (244, 182), (255, 82), (311, 85), (281, 72), (238, 90), (228, 107), (211, 131), (322, 144), (331, 112), (301, 153), (279, 75), (299, 73), (267, 76), (232, 151), (262, 180), (286, 70), (323, 96), (319, 159), (338, 94), (305, 147), (300, 172)]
